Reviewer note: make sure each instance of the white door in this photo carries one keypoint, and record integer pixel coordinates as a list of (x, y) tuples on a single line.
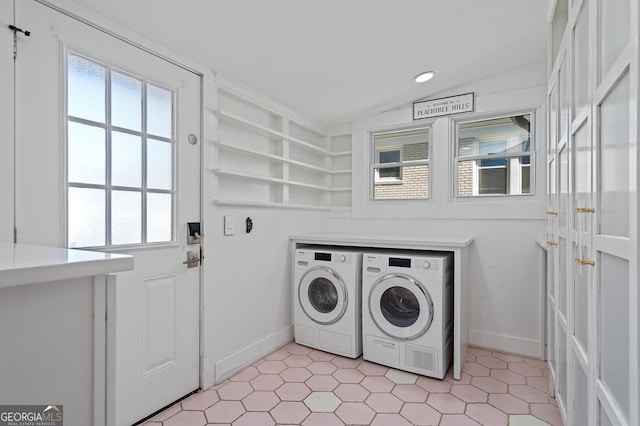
[(108, 158)]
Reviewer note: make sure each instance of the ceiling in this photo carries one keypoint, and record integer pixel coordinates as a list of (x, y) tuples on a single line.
[(334, 61)]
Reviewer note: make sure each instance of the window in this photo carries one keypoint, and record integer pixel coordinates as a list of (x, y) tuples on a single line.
[(400, 166), (493, 157), (389, 155), (120, 157)]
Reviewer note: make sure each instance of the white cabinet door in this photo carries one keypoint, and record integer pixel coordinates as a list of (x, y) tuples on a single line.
[(105, 160)]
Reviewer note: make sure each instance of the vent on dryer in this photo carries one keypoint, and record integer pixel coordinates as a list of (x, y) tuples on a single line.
[(421, 358)]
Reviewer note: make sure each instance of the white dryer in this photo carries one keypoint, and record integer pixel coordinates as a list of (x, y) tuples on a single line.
[(327, 299), (407, 307)]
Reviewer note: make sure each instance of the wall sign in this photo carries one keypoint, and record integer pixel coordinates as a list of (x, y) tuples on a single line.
[(443, 106)]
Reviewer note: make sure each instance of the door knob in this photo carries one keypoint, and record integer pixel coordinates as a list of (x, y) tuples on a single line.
[(193, 260)]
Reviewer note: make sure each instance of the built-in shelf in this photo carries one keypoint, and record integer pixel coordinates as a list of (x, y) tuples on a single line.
[(273, 157), (248, 176), (258, 141), (265, 131), (243, 203)]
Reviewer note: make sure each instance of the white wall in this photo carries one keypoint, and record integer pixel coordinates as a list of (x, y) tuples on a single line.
[(505, 282), (248, 298)]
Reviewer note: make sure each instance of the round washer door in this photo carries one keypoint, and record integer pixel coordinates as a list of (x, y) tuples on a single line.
[(323, 295), (400, 306)]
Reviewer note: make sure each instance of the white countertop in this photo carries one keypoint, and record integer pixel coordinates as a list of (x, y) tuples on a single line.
[(391, 241), (22, 264)]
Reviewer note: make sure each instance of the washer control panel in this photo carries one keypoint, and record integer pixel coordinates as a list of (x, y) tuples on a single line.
[(377, 263)]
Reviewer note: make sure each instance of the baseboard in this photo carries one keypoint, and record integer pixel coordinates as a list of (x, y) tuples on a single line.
[(232, 364), (505, 343)]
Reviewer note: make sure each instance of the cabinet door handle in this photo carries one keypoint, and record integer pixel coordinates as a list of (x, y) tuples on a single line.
[(585, 210), (551, 243), (585, 262), (552, 213)]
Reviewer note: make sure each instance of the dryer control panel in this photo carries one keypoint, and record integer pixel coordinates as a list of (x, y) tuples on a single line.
[(377, 263)]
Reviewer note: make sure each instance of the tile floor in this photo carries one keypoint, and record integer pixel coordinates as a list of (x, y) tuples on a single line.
[(298, 385)]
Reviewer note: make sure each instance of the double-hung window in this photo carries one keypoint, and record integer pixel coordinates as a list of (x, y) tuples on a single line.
[(493, 157), (400, 164)]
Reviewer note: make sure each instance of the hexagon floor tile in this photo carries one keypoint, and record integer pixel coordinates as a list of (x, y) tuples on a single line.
[(304, 386)]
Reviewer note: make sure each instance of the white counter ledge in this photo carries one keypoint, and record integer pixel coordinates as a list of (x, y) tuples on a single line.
[(407, 242), (22, 264)]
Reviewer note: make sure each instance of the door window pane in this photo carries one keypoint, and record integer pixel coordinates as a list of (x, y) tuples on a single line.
[(126, 101), (111, 152), (126, 160), (581, 60), (159, 111), (126, 217), (86, 89), (159, 164), (159, 218), (86, 156), (87, 217)]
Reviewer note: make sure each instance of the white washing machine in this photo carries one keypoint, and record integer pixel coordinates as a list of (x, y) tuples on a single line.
[(407, 306), (327, 298)]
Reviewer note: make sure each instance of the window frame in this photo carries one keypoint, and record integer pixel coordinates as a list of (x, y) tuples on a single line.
[(509, 157), (144, 190), (374, 179)]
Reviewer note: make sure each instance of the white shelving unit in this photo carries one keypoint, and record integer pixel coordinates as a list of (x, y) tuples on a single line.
[(270, 157)]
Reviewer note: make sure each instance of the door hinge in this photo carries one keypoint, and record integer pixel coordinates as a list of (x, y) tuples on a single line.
[(15, 235)]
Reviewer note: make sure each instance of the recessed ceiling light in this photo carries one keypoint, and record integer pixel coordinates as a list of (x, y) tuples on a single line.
[(424, 76)]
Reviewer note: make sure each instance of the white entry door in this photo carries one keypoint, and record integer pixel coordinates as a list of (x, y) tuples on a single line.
[(108, 158)]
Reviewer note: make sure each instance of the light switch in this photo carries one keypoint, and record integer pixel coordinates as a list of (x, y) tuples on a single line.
[(229, 225)]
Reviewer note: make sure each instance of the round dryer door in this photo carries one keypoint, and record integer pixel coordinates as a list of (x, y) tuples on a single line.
[(400, 306), (323, 295)]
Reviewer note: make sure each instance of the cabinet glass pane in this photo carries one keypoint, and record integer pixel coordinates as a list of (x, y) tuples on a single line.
[(582, 175), (580, 300), (562, 366), (581, 61), (86, 89), (564, 99), (87, 211), (614, 161), (159, 218), (126, 101), (126, 160), (126, 217), (613, 327), (603, 418), (563, 177), (86, 157), (562, 269), (581, 395), (551, 348), (614, 32), (159, 164), (159, 111), (552, 142)]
